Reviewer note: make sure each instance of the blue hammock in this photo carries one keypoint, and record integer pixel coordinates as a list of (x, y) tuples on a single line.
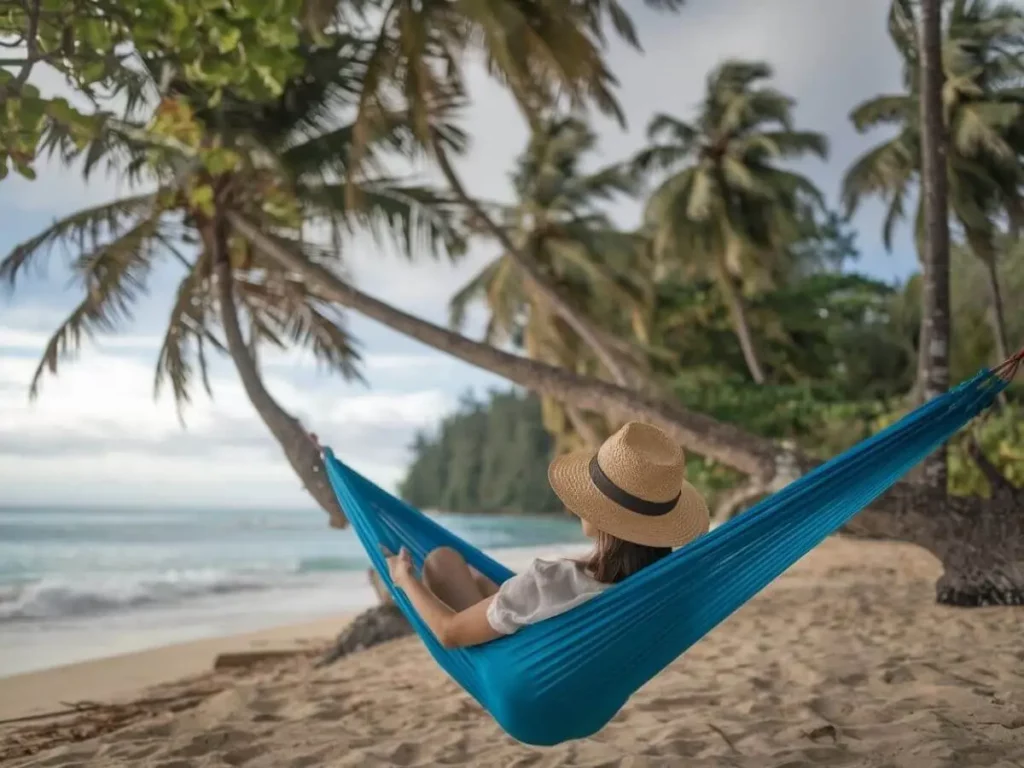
[(566, 677)]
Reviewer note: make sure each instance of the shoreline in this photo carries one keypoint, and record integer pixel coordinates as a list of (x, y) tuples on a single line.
[(130, 674), (127, 673), (40, 644)]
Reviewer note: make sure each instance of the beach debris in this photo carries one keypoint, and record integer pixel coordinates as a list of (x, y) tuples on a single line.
[(725, 737), (248, 658), (824, 732), (371, 627), (83, 720)]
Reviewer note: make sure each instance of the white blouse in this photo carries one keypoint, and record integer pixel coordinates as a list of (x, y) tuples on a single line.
[(545, 589)]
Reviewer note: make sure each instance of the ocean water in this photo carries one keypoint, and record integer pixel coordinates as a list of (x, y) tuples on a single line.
[(83, 583)]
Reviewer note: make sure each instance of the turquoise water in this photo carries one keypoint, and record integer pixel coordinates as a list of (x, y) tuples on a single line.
[(80, 583), (58, 563)]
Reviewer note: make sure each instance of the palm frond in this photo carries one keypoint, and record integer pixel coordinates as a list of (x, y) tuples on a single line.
[(600, 280), (786, 144), (473, 290), (878, 171), (895, 212), (657, 159), (115, 144), (417, 218), (893, 109), (283, 308), (743, 180), (903, 31), (703, 196), (188, 324), (114, 277), (81, 231), (981, 129), (667, 128)]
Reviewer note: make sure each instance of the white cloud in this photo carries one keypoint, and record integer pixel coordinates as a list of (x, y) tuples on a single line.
[(60, 190), (12, 338), (96, 433), (415, 409)]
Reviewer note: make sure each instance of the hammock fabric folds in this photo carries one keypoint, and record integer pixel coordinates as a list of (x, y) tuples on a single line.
[(566, 677)]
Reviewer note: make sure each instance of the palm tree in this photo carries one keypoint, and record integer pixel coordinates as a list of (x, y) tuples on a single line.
[(544, 53), (226, 282), (726, 209), (981, 104), (935, 194), (119, 245), (557, 219)]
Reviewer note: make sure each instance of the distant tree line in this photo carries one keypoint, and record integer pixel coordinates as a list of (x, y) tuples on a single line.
[(486, 457)]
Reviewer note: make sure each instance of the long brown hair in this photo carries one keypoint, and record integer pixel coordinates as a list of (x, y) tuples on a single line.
[(614, 559)]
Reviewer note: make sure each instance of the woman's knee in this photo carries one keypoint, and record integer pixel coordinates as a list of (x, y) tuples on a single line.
[(443, 559)]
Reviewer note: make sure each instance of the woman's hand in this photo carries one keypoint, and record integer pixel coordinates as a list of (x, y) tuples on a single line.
[(400, 566)]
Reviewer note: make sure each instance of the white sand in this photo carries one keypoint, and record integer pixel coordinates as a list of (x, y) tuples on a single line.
[(845, 661), (126, 674)]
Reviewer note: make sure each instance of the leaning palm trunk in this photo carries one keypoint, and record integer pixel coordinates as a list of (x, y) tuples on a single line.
[(979, 542), (996, 316), (983, 250), (734, 302), (296, 443), (719, 441), (590, 335)]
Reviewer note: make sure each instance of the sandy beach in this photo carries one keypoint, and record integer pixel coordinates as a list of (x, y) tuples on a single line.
[(844, 661)]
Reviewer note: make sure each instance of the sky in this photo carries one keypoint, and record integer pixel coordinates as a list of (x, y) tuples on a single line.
[(96, 436)]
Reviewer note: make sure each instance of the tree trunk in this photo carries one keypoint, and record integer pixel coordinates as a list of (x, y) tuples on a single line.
[(734, 302), (717, 440), (979, 542), (590, 335), (300, 450), (582, 427), (934, 183), (374, 626), (911, 513), (996, 316)]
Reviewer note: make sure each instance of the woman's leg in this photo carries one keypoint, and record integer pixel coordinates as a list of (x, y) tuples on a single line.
[(485, 585), (449, 577)]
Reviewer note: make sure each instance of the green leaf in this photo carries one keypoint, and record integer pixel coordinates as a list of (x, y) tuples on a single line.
[(201, 198), (179, 21), (221, 160), (61, 111), (229, 40), (93, 72)]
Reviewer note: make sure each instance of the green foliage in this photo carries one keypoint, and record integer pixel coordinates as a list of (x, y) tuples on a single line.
[(126, 48), (710, 478), (984, 107), (486, 457), (1001, 436), (209, 160), (726, 207), (819, 418)]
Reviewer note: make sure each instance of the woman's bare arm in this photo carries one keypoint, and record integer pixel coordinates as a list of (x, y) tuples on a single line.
[(453, 629)]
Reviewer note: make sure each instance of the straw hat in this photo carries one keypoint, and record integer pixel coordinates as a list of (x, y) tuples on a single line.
[(633, 488)]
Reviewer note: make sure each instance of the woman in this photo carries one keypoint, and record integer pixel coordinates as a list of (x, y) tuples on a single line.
[(631, 497)]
